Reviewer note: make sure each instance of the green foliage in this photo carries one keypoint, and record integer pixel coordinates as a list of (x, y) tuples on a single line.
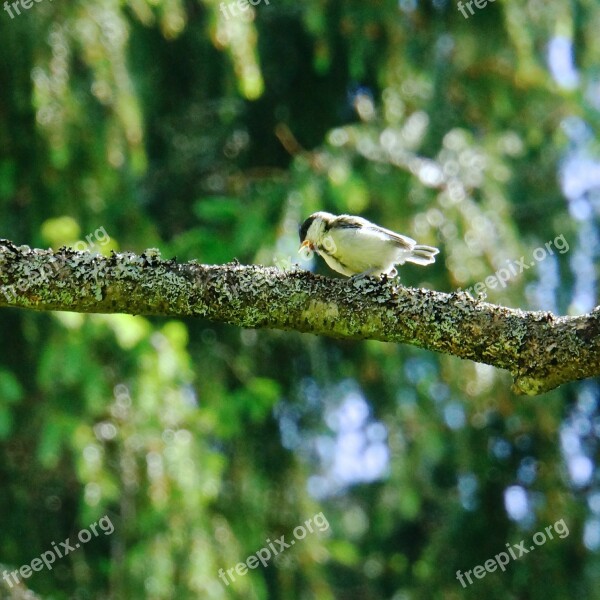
[(211, 138)]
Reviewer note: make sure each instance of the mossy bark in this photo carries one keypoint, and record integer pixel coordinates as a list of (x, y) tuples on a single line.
[(540, 350)]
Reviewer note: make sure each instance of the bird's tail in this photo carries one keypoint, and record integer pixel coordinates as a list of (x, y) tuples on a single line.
[(422, 255)]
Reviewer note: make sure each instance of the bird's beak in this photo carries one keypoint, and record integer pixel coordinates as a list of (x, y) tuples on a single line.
[(305, 244)]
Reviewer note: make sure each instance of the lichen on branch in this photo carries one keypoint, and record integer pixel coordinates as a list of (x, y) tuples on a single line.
[(541, 350)]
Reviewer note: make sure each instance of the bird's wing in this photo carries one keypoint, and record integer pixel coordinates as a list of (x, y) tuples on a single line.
[(402, 241), (351, 222)]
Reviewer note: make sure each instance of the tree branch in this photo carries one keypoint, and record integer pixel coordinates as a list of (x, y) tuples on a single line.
[(540, 350)]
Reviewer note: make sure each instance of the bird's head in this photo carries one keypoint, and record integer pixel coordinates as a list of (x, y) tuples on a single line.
[(313, 230)]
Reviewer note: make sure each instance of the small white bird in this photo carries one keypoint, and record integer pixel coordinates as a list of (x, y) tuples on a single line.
[(354, 246)]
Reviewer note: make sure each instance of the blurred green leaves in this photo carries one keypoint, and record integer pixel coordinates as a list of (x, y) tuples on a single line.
[(11, 393), (210, 138)]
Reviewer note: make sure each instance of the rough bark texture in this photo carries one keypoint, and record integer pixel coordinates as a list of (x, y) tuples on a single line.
[(541, 350)]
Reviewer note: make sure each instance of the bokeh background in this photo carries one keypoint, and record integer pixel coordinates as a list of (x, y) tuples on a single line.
[(210, 136)]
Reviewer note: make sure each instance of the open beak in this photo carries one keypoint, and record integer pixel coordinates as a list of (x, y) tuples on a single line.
[(305, 245)]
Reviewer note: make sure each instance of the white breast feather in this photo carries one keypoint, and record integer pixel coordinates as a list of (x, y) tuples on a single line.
[(363, 249)]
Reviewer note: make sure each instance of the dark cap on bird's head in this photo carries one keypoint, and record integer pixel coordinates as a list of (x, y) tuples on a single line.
[(304, 227)]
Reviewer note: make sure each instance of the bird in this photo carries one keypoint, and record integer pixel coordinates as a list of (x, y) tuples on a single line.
[(358, 248)]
